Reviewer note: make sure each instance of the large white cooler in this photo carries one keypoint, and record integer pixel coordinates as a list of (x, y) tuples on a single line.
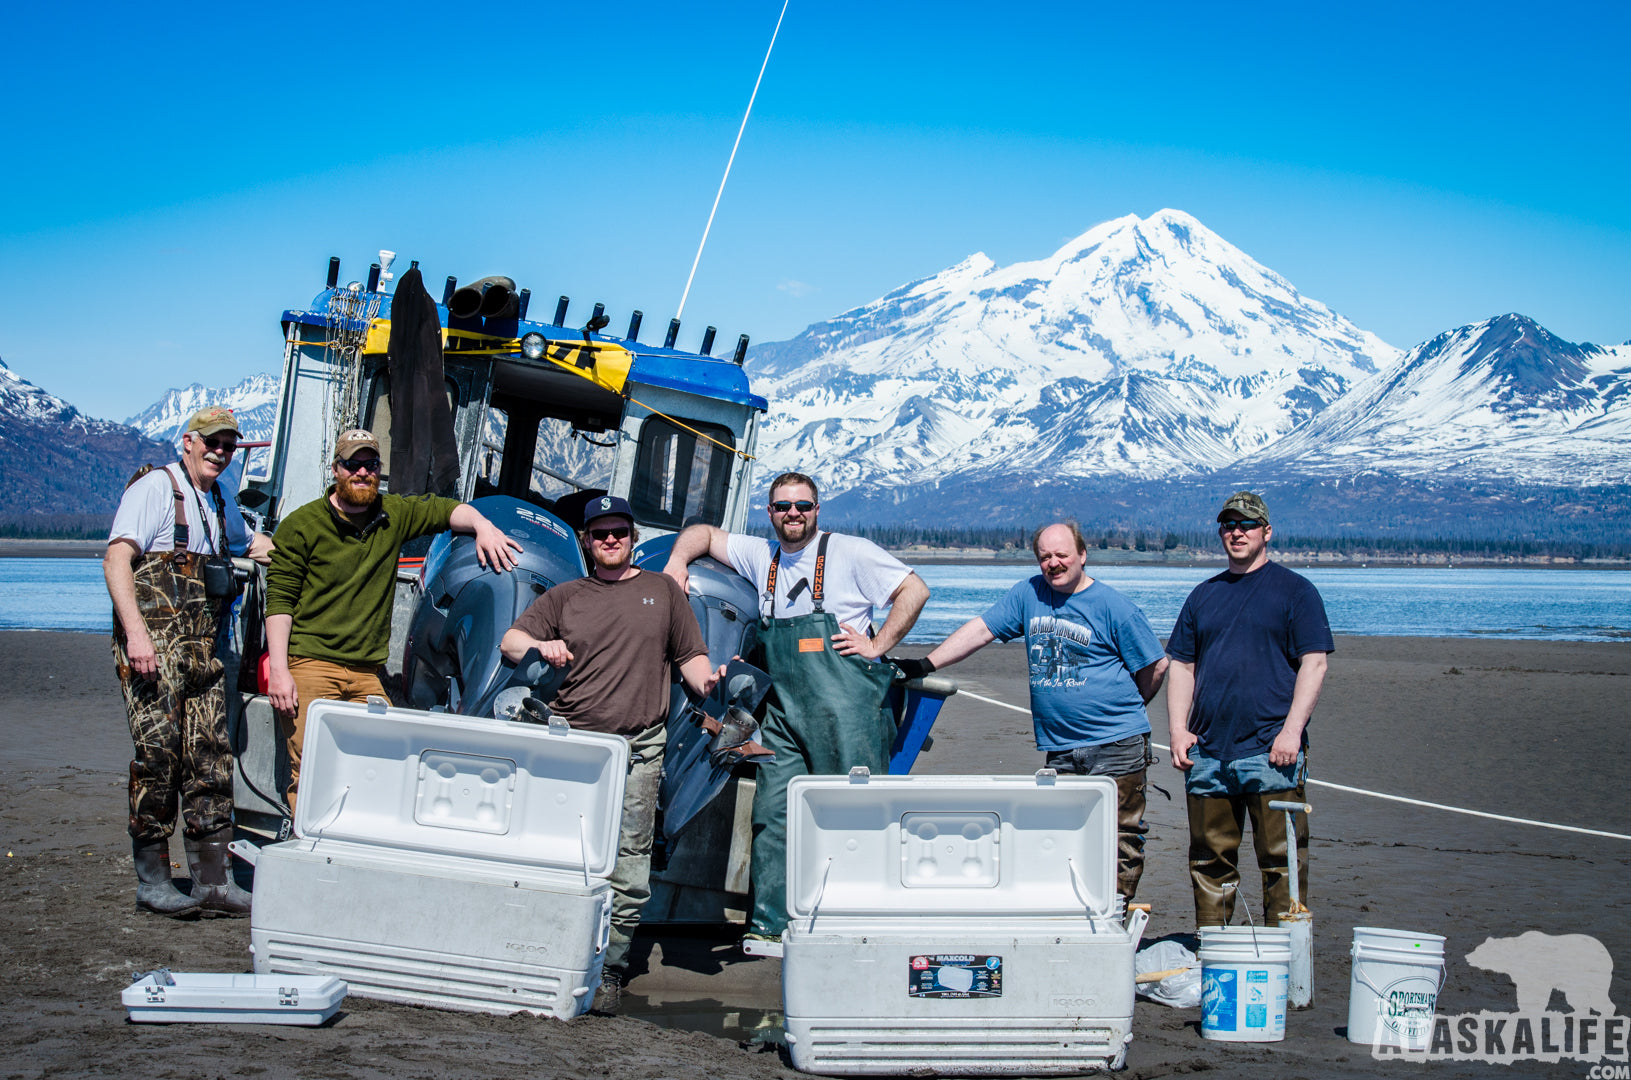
[(446, 860), (960, 925)]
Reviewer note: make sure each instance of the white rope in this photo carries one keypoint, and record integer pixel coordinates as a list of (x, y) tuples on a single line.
[(1375, 794), (732, 160)]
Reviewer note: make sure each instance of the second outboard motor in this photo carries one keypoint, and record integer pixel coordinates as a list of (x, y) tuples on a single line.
[(452, 657)]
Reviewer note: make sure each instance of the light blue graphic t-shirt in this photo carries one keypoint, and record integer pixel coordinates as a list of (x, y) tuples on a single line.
[(1083, 649)]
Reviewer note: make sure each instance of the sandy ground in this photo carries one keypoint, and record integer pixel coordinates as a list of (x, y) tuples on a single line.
[(1528, 729)]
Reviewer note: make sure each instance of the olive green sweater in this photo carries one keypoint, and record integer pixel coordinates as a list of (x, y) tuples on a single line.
[(338, 580)]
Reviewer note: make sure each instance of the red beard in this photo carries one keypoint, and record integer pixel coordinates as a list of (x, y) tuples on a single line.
[(359, 490)]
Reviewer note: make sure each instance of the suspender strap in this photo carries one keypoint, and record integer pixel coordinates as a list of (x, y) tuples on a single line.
[(820, 574), (179, 537)]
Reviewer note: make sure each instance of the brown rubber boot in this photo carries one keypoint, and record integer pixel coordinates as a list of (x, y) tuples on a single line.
[(155, 890), (211, 866), (1214, 856), (1269, 841), (1130, 831)]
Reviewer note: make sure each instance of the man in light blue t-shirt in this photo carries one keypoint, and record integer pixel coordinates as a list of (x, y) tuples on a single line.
[(1095, 663)]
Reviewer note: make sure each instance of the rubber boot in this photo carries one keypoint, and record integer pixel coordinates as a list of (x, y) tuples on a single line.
[(211, 866), (1214, 856), (1130, 831), (155, 890), (1269, 841)]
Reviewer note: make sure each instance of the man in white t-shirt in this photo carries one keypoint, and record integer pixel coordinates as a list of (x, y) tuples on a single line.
[(826, 711), (167, 610)]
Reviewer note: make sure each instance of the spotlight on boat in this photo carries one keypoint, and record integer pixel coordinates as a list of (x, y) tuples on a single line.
[(489, 297), (533, 346)]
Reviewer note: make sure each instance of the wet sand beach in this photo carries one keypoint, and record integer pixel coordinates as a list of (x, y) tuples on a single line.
[(1526, 729)]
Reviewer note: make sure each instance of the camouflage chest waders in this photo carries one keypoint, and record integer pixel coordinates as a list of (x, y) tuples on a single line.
[(177, 719), (826, 714)]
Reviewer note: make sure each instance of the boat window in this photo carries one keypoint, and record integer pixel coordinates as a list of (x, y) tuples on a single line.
[(567, 453), (679, 478)]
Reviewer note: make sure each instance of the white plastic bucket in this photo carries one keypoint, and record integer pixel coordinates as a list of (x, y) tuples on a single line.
[(1244, 977), (1393, 989)]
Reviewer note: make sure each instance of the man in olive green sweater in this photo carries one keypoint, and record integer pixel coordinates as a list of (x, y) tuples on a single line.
[(333, 578)]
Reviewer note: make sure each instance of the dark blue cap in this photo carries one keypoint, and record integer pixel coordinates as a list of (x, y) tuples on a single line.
[(604, 505)]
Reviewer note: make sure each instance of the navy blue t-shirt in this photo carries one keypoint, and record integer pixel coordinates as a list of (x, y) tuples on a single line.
[(1244, 634), (1083, 650)]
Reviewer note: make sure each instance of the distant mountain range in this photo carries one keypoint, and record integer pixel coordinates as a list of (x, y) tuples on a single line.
[(55, 461), (1132, 379)]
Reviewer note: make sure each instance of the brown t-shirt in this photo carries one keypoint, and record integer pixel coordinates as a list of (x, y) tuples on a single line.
[(623, 636)]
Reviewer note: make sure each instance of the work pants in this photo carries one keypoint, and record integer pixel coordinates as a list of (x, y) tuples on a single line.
[(1124, 761), (631, 877), (321, 680)]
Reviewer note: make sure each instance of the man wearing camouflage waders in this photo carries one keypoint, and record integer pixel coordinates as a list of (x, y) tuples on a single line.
[(168, 606), (826, 711)]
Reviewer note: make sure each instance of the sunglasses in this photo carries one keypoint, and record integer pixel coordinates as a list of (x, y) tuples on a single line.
[(803, 506), (359, 464), (1243, 525), (616, 532), (215, 442)]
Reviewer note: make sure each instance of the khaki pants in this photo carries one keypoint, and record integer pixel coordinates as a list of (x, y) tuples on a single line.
[(321, 679), (631, 877)]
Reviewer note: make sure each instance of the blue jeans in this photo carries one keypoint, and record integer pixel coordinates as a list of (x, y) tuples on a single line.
[(1123, 760), (1209, 777)]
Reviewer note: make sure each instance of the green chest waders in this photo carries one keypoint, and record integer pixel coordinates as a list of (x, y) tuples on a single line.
[(825, 714)]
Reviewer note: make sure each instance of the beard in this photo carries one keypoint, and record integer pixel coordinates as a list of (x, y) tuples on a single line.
[(795, 532), (359, 491), (614, 561)]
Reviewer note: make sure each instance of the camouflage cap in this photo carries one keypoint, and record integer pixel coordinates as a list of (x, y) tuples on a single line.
[(214, 419), (351, 441), (1247, 504)]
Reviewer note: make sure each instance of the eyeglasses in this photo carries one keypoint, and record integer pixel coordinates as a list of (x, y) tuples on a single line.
[(803, 506), (215, 442), (1243, 525), (359, 464), (617, 532)]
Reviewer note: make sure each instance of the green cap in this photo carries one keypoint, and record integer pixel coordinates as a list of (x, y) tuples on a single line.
[(1247, 504)]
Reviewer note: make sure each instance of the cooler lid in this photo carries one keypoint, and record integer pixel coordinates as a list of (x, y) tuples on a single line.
[(925, 846), (503, 792)]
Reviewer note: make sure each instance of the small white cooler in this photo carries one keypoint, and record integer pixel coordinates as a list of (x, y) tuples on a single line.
[(960, 925), (446, 860)]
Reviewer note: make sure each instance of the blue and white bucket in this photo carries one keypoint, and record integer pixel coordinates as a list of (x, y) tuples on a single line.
[(1245, 974), (1393, 990)]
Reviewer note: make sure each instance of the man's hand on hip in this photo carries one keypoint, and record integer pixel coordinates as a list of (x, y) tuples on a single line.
[(851, 642)]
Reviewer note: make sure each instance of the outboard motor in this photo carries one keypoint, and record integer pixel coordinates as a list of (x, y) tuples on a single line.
[(452, 658), (727, 609)]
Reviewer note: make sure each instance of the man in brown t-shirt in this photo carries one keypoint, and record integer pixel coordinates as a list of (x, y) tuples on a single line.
[(620, 628)]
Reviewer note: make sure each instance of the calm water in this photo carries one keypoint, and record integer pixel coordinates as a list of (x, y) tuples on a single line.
[(1561, 605)]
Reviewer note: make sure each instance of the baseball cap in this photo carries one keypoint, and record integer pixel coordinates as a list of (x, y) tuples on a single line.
[(214, 419), (352, 441), (604, 505), (1247, 504)]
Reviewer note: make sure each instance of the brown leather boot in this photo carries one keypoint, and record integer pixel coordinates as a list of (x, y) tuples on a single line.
[(1214, 856), (1269, 841), (211, 866), (1130, 832)]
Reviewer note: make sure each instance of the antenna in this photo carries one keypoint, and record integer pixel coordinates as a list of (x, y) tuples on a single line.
[(732, 160)]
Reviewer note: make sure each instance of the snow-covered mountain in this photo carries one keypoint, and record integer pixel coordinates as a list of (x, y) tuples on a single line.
[(1500, 399), (55, 460), (253, 401), (1141, 349)]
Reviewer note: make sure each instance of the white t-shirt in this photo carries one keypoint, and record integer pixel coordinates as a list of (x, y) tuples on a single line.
[(147, 515), (859, 576)]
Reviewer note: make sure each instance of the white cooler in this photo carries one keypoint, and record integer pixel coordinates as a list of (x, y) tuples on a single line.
[(960, 925), (446, 860)]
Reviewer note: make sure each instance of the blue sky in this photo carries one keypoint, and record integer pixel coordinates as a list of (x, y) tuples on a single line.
[(178, 174)]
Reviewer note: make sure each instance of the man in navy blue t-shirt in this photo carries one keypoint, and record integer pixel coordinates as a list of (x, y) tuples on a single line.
[(1248, 659), (1095, 663)]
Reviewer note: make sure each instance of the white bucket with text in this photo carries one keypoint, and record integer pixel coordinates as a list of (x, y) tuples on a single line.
[(1245, 974), (1394, 987)]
